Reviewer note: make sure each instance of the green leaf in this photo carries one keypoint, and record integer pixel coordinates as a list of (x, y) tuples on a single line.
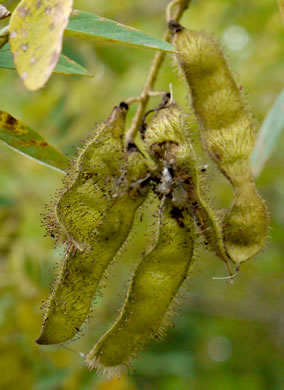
[(90, 26), (36, 31), (65, 65), (25, 140), (268, 135)]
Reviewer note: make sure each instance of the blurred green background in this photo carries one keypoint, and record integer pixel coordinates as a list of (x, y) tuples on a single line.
[(225, 336)]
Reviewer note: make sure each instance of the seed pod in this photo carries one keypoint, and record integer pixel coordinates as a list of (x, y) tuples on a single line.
[(92, 185), (154, 286), (144, 231), (70, 302), (246, 223), (227, 132), (169, 142)]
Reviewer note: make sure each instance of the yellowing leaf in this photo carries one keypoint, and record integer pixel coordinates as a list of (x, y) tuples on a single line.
[(36, 31), (65, 64)]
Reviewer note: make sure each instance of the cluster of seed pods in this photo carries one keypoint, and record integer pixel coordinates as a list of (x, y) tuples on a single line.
[(109, 183)]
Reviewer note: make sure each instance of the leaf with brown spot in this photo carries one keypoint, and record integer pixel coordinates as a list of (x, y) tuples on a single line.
[(24, 140), (36, 31), (65, 64)]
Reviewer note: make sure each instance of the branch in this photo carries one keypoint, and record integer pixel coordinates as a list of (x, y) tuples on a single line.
[(181, 6)]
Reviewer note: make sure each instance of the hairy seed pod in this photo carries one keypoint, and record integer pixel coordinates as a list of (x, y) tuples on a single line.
[(70, 302), (228, 135), (144, 232), (154, 286), (246, 223), (93, 184), (169, 142)]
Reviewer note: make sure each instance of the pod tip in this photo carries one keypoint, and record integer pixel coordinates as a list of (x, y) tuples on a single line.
[(123, 105), (174, 26)]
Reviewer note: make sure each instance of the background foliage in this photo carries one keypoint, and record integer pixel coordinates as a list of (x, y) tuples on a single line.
[(225, 336)]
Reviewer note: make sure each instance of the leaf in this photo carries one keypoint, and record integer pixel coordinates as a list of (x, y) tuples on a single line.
[(89, 26), (281, 9), (25, 140), (268, 135), (65, 64), (36, 31)]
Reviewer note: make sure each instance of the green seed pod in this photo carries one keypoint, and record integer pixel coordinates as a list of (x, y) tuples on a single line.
[(144, 232), (93, 184), (246, 223), (70, 302), (154, 286), (227, 129), (169, 142), (228, 135)]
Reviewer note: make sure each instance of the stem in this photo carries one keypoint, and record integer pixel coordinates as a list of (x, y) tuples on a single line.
[(132, 100), (181, 6)]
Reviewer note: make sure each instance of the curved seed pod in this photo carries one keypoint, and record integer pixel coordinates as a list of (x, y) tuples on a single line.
[(168, 139), (70, 302), (228, 134), (154, 286), (93, 183)]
